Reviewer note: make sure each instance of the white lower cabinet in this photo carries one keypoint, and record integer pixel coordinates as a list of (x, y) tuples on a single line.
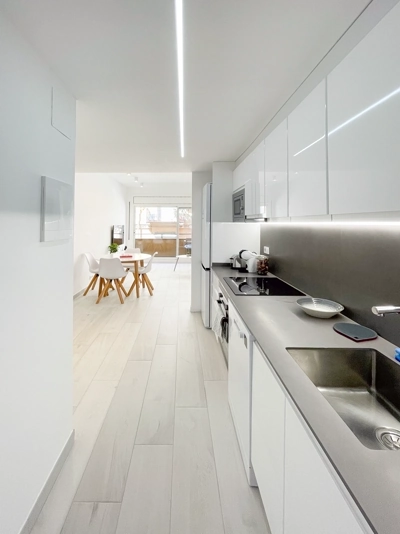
[(299, 492), (239, 385), (268, 420), (314, 504)]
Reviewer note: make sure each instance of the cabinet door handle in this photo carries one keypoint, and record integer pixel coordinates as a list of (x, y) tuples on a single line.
[(241, 334)]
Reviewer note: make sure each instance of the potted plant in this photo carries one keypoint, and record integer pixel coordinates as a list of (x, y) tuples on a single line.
[(113, 248)]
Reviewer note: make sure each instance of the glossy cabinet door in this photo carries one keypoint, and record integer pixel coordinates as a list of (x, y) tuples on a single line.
[(242, 173), (276, 172), (250, 199), (250, 175), (239, 383), (307, 155), (363, 124), (256, 206), (267, 444), (260, 179), (314, 504), (239, 176)]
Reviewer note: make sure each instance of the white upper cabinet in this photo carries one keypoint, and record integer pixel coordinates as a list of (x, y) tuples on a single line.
[(239, 175), (276, 172), (307, 155), (250, 175), (260, 179), (256, 187), (251, 190), (363, 124)]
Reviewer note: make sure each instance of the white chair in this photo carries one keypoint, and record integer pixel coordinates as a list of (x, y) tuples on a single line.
[(94, 269), (111, 270), (143, 274)]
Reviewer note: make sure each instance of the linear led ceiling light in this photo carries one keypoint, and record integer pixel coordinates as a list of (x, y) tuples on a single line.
[(179, 51)]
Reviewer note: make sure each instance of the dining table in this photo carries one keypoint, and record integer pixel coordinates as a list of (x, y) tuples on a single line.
[(132, 259)]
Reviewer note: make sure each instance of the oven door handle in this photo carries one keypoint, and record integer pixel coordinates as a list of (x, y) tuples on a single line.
[(222, 303)]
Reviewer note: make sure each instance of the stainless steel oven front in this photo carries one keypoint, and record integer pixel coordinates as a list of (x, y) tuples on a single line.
[(221, 329)]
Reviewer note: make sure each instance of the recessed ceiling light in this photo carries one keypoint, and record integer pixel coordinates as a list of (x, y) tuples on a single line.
[(141, 185), (179, 51), (136, 179)]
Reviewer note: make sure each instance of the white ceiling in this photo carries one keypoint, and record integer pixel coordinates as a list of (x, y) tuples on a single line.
[(243, 59), (155, 178)]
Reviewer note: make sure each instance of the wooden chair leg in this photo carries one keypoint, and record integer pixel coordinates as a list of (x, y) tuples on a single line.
[(106, 284), (143, 282), (137, 280), (95, 281), (119, 291), (132, 287), (151, 285), (110, 287), (89, 287), (146, 280), (119, 282), (101, 286)]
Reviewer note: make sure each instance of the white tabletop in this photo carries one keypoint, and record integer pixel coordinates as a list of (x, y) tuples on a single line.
[(133, 257)]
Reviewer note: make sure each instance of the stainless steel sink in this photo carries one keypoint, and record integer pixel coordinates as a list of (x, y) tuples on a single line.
[(363, 386)]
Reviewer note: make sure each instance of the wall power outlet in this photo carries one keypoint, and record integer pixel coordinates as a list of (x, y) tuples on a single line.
[(266, 250)]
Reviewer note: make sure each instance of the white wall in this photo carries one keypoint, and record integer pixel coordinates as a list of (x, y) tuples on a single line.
[(221, 200), (35, 284), (199, 179), (228, 239), (100, 203)]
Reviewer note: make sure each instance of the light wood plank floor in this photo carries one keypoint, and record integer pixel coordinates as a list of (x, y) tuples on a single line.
[(155, 449)]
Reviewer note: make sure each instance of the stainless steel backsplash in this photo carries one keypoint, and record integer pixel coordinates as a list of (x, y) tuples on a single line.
[(356, 265)]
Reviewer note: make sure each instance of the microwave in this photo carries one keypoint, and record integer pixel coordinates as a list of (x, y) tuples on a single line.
[(238, 199)]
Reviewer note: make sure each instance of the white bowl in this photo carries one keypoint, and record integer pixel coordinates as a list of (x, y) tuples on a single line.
[(321, 308)]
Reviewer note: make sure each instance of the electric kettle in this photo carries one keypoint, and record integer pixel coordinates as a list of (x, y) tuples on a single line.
[(251, 260), (238, 262)]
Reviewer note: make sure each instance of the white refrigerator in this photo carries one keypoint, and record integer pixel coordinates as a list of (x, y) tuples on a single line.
[(206, 256)]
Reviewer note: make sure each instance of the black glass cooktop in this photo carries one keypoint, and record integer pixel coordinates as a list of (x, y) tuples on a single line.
[(260, 286)]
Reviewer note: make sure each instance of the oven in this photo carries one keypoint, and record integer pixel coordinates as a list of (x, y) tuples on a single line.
[(221, 320)]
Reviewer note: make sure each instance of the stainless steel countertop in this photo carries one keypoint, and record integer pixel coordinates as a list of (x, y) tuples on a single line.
[(372, 477)]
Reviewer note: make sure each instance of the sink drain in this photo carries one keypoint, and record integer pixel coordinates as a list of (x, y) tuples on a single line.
[(389, 437)]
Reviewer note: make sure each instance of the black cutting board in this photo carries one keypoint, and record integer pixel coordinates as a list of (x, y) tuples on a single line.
[(355, 332)]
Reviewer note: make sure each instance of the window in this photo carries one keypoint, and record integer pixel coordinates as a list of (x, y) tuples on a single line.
[(163, 229)]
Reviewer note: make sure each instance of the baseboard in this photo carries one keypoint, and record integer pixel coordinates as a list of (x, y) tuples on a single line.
[(44, 493), (81, 292)]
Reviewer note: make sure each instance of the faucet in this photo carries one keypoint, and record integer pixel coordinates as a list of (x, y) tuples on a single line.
[(385, 310)]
